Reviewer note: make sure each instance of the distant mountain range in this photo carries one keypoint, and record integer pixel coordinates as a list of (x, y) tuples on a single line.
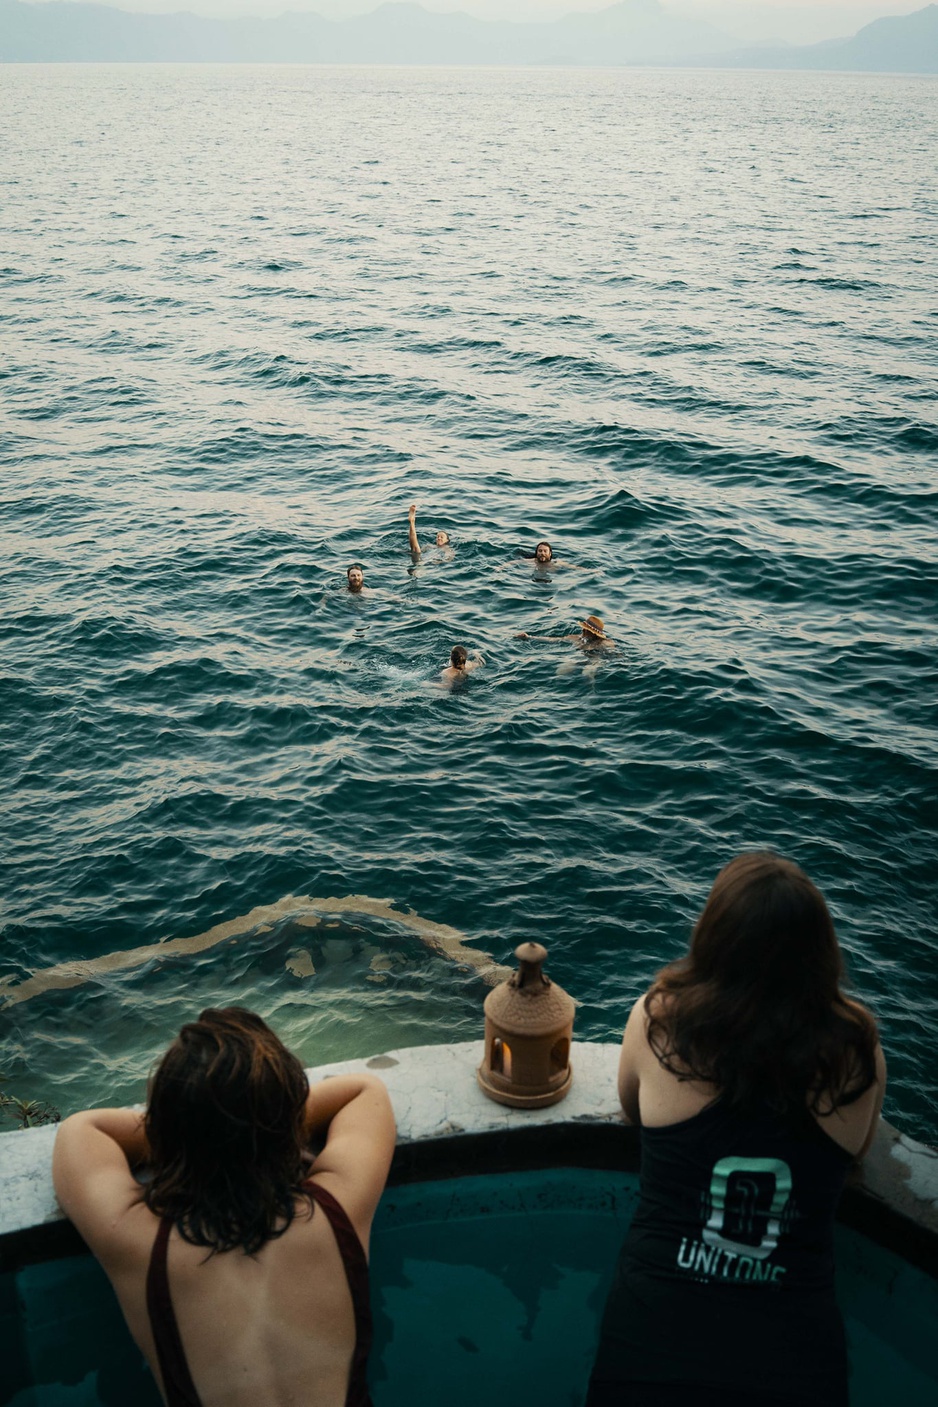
[(898, 44), (634, 32)]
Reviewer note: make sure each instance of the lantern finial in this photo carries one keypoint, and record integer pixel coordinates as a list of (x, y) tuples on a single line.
[(530, 958)]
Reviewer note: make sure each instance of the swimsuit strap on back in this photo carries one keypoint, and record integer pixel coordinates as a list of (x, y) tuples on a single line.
[(171, 1356), (356, 1272), (178, 1386)]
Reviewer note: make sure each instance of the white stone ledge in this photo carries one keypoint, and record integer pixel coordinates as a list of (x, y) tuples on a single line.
[(435, 1096), (433, 1090)]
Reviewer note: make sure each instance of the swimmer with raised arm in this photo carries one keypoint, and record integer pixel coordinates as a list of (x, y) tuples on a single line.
[(590, 636), (460, 665), (442, 538)]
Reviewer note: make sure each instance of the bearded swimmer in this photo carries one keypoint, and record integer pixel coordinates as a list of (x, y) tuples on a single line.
[(544, 559)]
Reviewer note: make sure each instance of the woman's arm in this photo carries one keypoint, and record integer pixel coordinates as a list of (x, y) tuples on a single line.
[(631, 1059), (91, 1172), (356, 1112), (877, 1102), (328, 1097)]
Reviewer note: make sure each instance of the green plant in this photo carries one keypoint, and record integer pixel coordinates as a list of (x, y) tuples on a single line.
[(28, 1113)]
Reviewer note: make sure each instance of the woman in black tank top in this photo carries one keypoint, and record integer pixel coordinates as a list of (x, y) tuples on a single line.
[(735, 1058)]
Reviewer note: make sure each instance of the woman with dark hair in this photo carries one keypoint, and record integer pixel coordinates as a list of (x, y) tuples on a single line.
[(756, 1083), (241, 1264)]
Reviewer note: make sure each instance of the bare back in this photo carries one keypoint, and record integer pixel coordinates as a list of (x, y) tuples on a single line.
[(277, 1327)]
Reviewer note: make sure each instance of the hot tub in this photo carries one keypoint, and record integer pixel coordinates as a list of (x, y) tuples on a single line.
[(492, 1253)]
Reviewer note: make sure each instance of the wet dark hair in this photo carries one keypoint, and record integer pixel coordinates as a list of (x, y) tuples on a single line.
[(355, 567), (458, 656), (755, 1007), (225, 1122)]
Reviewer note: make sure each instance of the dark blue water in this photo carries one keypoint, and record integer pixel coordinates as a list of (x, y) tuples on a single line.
[(684, 325), (485, 1289)]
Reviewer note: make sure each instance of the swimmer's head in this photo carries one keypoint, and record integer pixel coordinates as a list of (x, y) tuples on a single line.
[(442, 539), (543, 552), (593, 629), (458, 656), (356, 577)]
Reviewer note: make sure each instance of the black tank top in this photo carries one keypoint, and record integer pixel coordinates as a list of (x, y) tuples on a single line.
[(726, 1276)]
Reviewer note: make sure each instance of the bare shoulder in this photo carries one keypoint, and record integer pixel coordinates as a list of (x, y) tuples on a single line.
[(635, 1038), (633, 1061), (638, 1015)]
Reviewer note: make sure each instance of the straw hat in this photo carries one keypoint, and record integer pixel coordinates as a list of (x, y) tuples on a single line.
[(593, 626)]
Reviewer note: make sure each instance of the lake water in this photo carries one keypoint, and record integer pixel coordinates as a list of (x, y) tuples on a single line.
[(684, 325)]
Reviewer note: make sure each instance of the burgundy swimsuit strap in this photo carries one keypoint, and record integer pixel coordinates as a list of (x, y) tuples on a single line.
[(178, 1386), (171, 1356), (356, 1272)]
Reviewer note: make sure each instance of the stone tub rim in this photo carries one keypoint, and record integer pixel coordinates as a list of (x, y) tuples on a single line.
[(447, 1127)]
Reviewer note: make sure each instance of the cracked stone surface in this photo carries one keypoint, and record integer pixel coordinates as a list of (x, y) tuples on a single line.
[(435, 1094)]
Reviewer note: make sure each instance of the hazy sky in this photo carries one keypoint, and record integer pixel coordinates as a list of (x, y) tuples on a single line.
[(742, 19)]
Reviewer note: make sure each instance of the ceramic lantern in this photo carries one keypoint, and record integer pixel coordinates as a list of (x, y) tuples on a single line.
[(528, 1029)]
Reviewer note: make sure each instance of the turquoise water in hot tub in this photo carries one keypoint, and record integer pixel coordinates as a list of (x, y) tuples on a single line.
[(682, 324), (485, 1290)]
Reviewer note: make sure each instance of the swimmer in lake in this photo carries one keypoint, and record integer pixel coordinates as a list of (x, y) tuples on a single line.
[(460, 665), (442, 538), (543, 557), (355, 577), (591, 635)]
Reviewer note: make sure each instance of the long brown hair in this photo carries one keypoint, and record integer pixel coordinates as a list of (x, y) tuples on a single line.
[(225, 1122), (755, 1007)]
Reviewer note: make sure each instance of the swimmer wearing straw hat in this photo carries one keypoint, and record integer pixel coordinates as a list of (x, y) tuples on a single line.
[(591, 635)]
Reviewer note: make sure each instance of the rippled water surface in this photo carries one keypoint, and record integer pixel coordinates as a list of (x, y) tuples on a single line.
[(683, 325)]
